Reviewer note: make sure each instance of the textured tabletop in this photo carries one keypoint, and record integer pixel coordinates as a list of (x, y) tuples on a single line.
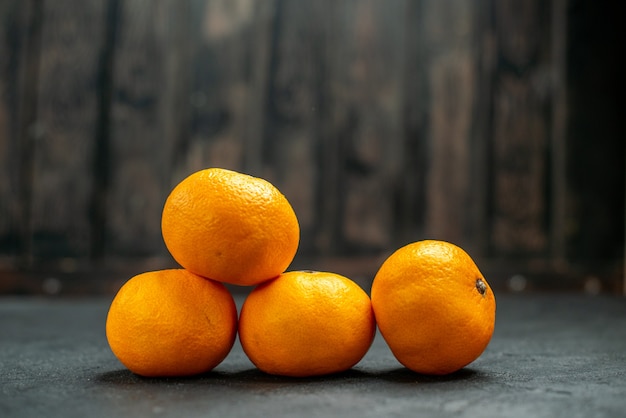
[(551, 356)]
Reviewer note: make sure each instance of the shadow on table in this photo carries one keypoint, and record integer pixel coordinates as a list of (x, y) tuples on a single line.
[(255, 377), (404, 375)]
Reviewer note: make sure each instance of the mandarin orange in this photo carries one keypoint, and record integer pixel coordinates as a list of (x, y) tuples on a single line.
[(433, 307), (230, 227), (171, 323), (306, 324)]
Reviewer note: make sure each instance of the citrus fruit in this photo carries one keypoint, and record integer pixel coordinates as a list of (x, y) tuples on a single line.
[(171, 323), (306, 324), (230, 227), (433, 307)]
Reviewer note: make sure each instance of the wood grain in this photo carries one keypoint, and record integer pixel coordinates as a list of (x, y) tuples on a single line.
[(497, 125)]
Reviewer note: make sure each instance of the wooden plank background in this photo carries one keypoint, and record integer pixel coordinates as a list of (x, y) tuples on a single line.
[(497, 125)]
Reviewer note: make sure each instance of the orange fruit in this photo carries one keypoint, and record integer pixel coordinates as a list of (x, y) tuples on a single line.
[(230, 227), (171, 323), (433, 307), (306, 324)]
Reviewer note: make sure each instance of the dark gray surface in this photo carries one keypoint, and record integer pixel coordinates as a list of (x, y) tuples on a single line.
[(551, 356)]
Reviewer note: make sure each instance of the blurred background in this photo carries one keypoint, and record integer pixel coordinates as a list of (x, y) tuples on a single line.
[(496, 125)]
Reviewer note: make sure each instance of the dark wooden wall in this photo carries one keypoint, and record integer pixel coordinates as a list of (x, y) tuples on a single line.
[(497, 125)]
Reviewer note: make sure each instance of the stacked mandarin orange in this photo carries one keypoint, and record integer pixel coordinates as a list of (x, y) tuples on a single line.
[(430, 302)]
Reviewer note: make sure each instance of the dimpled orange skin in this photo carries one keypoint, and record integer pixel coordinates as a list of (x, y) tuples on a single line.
[(306, 324), (230, 227), (171, 323), (433, 307)]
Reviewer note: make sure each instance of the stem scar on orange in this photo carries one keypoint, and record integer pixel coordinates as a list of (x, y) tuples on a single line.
[(433, 307), (171, 323), (230, 227)]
